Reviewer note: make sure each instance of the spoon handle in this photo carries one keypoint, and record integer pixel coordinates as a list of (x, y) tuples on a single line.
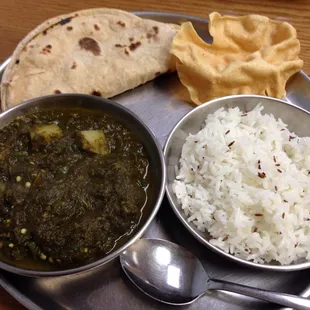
[(287, 300)]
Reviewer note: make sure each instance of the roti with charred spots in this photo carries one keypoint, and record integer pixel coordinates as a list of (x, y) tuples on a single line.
[(102, 52)]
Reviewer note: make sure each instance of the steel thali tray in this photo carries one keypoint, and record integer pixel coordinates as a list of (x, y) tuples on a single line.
[(161, 104)]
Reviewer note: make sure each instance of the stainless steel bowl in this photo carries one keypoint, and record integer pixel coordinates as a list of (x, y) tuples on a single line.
[(298, 121), (133, 122)]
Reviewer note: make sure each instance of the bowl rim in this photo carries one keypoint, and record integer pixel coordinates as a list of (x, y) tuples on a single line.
[(114, 254), (194, 232)]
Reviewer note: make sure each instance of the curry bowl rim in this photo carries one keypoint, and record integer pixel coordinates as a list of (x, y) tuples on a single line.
[(34, 104)]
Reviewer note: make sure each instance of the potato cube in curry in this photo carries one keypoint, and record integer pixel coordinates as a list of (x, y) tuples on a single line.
[(44, 134), (93, 141)]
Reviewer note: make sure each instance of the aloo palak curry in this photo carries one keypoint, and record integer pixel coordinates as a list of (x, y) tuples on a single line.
[(71, 185)]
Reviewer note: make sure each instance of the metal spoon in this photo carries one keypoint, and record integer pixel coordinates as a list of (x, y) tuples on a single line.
[(171, 274)]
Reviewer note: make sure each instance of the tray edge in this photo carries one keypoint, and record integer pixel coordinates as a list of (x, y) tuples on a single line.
[(18, 295)]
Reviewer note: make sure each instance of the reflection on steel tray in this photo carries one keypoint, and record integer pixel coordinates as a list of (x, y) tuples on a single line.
[(160, 104)]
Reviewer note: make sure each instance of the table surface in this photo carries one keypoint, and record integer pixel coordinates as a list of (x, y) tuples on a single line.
[(18, 17)]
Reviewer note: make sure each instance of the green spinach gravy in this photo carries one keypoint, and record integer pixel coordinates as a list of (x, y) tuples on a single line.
[(72, 185)]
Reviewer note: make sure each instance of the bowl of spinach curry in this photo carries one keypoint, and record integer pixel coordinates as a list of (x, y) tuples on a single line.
[(81, 178)]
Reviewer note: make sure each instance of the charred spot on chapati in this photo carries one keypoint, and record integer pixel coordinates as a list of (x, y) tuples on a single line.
[(90, 45), (65, 20), (156, 30), (153, 32), (133, 46), (121, 23), (96, 93)]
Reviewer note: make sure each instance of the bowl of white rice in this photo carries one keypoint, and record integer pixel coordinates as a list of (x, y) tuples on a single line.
[(238, 178)]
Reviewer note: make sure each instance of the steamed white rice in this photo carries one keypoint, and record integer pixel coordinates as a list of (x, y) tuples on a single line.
[(245, 179)]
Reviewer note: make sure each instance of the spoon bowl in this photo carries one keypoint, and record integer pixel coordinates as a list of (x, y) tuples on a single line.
[(171, 274), (165, 273)]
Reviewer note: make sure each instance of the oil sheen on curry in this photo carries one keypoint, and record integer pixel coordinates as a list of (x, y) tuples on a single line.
[(72, 186)]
